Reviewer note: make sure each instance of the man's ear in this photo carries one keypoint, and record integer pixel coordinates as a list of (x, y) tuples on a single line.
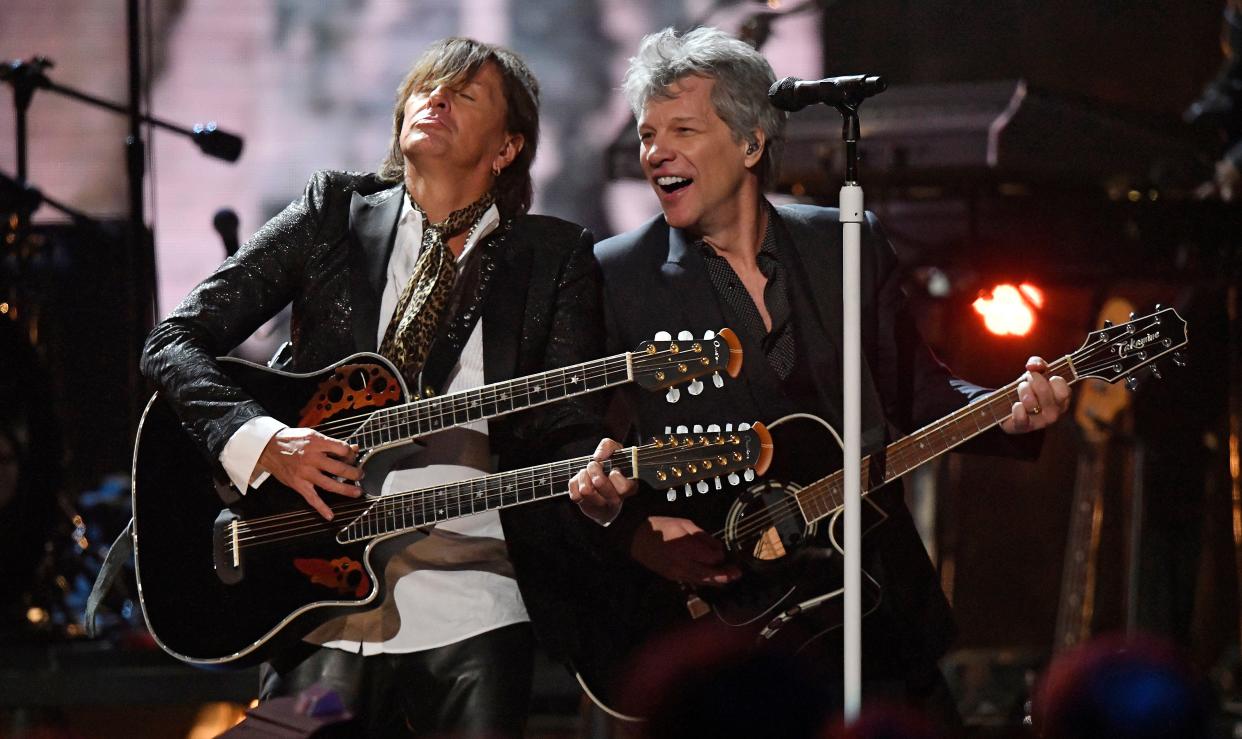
[(754, 148), (512, 147)]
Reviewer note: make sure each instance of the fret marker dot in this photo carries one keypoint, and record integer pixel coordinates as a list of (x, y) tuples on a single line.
[(575, 379)]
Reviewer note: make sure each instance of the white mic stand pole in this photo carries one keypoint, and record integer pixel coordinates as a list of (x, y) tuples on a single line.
[(846, 94), (851, 239)]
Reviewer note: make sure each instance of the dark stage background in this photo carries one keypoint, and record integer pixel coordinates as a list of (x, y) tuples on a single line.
[(1090, 196)]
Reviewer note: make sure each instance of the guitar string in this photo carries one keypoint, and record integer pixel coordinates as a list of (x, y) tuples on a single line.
[(664, 455), (461, 493), (419, 408), (392, 503), (594, 369), (719, 441), (1080, 361), (420, 411), (824, 487), (381, 519)]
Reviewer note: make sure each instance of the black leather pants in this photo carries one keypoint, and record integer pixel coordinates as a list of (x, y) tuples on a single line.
[(478, 687)]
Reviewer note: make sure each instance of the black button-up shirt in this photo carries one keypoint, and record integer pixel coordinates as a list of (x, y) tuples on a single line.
[(778, 344)]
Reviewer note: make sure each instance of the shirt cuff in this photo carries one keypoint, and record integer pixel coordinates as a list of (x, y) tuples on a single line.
[(240, 457)]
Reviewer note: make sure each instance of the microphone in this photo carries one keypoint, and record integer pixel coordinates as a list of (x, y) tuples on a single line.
[(214, 142), (225, 222), (793, 94)]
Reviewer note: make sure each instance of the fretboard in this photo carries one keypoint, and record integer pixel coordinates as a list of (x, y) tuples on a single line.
[(411, 420), (826, 496), (397, 512)]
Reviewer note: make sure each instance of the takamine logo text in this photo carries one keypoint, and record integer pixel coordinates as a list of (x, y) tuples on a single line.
[(1136, 344)]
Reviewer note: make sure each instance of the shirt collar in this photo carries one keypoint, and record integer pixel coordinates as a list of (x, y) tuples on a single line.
[(767, 245), (414, 218)]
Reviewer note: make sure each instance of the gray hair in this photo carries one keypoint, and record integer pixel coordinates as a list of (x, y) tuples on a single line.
[(740, 95)]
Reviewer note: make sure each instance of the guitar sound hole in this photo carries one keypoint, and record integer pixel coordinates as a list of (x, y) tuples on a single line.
[(357, 380), (379, 385)]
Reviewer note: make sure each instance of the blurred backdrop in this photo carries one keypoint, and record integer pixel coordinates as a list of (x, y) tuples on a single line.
[(1045, 144)]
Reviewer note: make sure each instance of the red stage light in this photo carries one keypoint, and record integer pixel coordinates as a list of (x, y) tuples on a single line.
[(1009, 310)]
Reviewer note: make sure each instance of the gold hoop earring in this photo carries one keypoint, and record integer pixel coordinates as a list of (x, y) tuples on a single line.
[(495, 169)]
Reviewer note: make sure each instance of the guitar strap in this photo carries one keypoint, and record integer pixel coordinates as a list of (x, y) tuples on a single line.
[(465, 307), (118, 554)]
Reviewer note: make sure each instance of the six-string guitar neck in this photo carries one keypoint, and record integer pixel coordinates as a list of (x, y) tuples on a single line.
[(1109, 354)]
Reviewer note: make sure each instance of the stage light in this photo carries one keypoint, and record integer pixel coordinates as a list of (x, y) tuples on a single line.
[(1008, 310)]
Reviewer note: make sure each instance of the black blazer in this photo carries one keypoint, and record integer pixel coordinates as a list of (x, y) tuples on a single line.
[(654, 279), (327, 254)]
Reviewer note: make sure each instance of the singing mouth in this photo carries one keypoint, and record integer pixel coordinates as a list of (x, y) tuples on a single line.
[(672, 183)]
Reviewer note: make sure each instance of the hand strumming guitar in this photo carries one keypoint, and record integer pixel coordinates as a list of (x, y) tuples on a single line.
[(304, 459), (677, 549)]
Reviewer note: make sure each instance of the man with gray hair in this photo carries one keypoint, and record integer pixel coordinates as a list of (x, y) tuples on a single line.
[(720, 254)]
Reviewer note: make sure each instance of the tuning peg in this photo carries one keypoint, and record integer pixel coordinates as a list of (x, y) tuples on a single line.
[(1155, 372), (702, 487), (688, 491), (1179, 359), (743, 427), (717, 380), (749, 474), (671, 495), (668, 430), (733, 478), (663, 336), (708, 335), (1132, 383), (673, 395), (1108, 323), (695, 387), (719, 484), (685, 336), (728, 427), (683, 430), (698, 428), (1159, 308), (713, 429)]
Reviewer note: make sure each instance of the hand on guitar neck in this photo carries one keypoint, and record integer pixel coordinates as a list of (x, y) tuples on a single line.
[(599, 495), (307, 462), (1041, 400)]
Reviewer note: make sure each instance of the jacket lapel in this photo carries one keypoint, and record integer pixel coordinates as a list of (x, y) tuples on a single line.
[(685, 279), (372, 233), (687, 282), (504, 307), (820, 255), (821, 258)]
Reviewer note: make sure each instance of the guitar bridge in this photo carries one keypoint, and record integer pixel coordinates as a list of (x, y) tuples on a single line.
[(225, 548)]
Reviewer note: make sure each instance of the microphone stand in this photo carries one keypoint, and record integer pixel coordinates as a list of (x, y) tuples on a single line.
[(852, 215)]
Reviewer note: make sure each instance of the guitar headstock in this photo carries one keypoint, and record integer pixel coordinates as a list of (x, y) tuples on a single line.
[(1116, 352), (693, 457), (666, 362), (1099, 405)]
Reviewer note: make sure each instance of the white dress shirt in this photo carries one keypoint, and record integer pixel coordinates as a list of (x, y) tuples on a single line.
[(456, 582)]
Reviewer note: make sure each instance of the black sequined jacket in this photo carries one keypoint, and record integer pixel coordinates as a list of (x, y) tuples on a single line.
[(327, 254)]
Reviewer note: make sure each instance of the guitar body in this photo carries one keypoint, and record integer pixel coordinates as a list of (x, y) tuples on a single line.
[(789, 597), (202, 606), (790, 592)]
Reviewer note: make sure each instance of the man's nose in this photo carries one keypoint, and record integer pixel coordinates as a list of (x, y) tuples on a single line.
[(440, 97), (656, 153)]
